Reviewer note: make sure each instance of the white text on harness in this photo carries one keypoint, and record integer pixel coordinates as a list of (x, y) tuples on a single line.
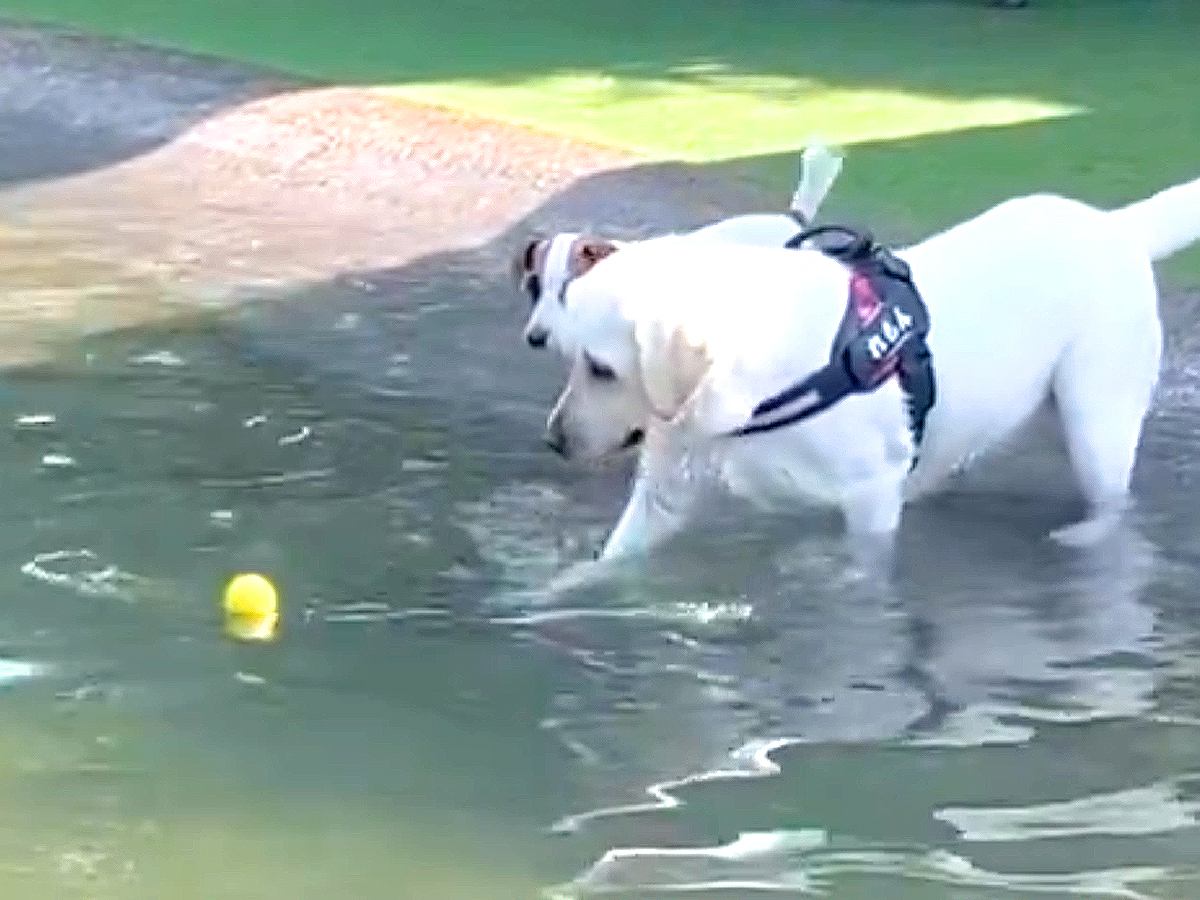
[(891, 334)]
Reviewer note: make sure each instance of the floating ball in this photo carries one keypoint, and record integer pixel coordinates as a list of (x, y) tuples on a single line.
[(251, 606)]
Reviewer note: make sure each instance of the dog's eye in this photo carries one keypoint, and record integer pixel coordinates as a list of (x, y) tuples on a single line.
[(600, 371), (533, 285)]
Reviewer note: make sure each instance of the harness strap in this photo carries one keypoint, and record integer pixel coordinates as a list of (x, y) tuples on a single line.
[(882, 334), (819, 391)]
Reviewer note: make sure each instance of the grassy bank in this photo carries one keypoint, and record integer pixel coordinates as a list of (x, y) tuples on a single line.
[(944, 107)]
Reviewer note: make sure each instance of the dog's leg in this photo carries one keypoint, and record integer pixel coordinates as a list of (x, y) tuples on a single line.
[(654, 513), (658, 507), (1102, 400), (873, 507), (872, 513), (633, 533), (664, 494), (629, 534), (644, 524)]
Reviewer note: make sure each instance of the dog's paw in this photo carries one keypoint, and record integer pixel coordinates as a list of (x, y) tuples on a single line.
[(577, 576), (1087, 533)]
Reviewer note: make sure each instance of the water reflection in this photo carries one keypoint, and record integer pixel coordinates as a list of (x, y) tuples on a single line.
[(986, 637)]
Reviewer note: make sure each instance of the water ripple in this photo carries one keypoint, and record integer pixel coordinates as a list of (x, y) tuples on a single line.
[(804, 861), (752, 760), (78, 570), (1153, 809)]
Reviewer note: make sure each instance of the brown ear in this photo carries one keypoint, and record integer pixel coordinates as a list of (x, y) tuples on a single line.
[(588, 251), (525, 260), (528, 255)]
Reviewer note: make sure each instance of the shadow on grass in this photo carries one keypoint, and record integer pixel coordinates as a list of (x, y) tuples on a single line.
[(69, 104), (754, 78)]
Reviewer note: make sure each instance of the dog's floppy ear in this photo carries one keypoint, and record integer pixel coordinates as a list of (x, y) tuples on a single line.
[(588, 251), (683, 383), (672, 367)]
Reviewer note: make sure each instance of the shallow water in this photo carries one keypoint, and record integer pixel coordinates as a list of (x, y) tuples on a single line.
[(1007, 719)]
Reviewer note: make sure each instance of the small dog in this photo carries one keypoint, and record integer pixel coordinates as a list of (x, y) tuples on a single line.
[(680, 341), (545, 266)]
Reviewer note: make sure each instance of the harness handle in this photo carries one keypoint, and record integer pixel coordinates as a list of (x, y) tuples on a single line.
[(857, 248), (858, 245)]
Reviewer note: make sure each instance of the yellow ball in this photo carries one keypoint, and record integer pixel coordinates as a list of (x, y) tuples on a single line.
[(251, 596)]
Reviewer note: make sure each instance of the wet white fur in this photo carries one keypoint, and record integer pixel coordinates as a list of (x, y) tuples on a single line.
[(1038, 295)]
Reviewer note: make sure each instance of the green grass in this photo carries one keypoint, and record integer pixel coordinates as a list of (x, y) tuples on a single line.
[(944, 107)]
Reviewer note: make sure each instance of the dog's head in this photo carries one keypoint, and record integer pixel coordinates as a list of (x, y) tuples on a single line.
[(632, 368), (543, 269)]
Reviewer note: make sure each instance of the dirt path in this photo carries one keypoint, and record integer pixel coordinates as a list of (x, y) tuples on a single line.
[(139, 183)]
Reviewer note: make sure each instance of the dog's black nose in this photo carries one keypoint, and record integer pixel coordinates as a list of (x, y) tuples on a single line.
[(634, 438), (537, 338)]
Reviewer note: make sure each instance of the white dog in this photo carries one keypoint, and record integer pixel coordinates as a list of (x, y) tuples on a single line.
[(545, 266), (680, 341)]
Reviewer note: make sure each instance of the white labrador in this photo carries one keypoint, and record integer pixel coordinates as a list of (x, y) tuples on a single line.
[(545, 266), (679, 340)]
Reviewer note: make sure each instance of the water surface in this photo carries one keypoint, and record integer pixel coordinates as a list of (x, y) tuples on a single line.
[(1006, 719)]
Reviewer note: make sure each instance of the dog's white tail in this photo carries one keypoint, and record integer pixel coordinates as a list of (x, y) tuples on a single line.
[(1167, 221), (819, 169)]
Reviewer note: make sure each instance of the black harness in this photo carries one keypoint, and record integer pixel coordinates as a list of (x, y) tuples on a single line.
[(882, 334)]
